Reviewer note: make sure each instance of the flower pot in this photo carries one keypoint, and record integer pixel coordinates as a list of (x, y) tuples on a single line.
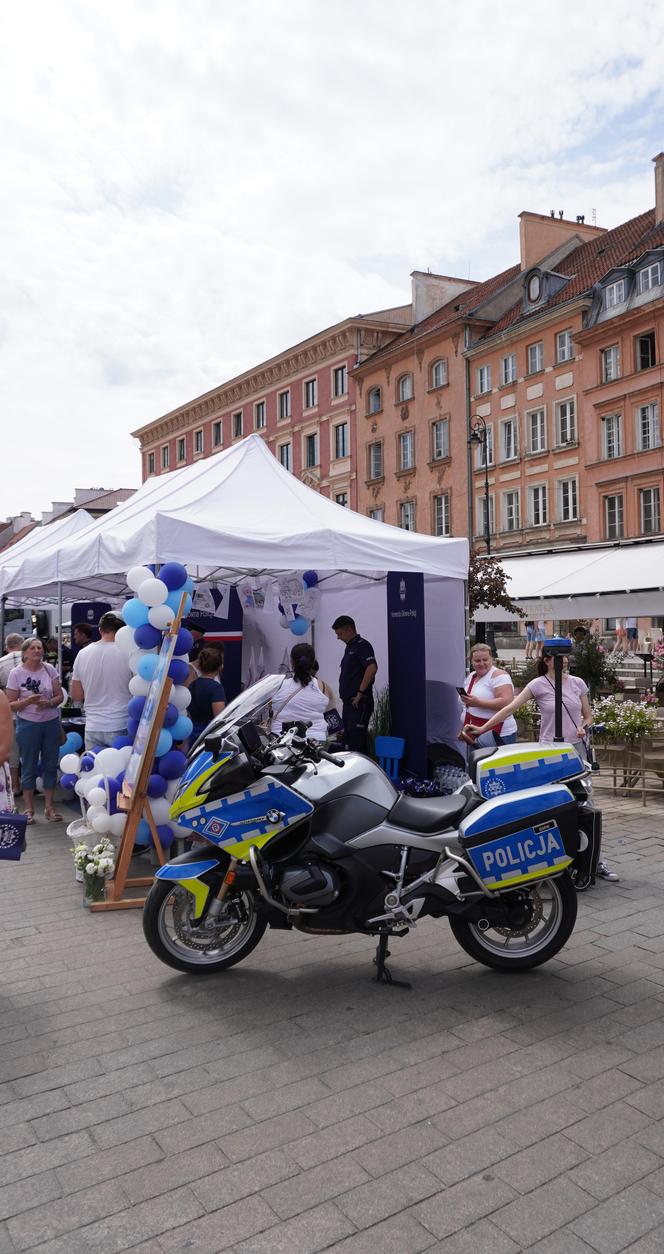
[(95, 888)]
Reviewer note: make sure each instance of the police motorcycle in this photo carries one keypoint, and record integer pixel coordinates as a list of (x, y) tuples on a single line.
[(294, 836)]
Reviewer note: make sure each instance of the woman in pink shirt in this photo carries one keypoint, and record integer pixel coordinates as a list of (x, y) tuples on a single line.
[(34, 694)]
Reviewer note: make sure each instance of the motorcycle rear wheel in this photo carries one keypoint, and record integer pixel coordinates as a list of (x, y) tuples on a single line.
[(555, 907), (177, 941)]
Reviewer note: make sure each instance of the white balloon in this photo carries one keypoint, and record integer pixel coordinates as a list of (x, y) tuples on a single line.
[(137, 575), (124, 638), (70, 764), (126, 752), (93, 812), (116, 823), (97, 797), (161, 616), (180, 696), (39, 784), (152, 591), (91, 781), (101, 822), (134, 659), (138, 687), (81, 787), (161, 810), (109, 761), (171, 789), (181, 832)]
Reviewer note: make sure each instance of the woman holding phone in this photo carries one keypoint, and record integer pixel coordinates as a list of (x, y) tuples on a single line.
[(487, 689)]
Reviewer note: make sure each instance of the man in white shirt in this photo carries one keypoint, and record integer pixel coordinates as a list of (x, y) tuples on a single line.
[(100, 679)]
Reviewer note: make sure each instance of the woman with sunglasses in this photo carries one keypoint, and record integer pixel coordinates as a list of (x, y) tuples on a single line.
[(577, 715)]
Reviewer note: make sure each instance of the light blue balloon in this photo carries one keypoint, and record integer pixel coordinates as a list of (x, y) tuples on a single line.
[(164, 743), (134, 612), (299, 625), (143, 833), (188, 586), (181, 728), (147, 666), (75, 741), (173, 599)]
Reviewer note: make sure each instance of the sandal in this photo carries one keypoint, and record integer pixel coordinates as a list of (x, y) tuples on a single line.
[(29, 816), (52, 815)]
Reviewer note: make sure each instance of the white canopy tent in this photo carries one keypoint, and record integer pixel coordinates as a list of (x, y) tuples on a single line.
[(599, 581), (40, 539)]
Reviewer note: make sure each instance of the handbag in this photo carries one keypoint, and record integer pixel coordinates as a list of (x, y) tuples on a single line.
[(12, 826), (334, 722)]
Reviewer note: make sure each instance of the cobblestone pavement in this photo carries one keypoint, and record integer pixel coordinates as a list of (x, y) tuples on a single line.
[(292, 1105)]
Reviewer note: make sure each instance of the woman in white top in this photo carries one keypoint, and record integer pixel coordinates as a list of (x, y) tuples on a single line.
[(303, 697), (487, 689)]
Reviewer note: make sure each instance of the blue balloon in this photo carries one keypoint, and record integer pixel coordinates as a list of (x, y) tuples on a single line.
[(74, 740), (184, 642), (119, 779), (178, 671), (299, 625), (189, 584), (143, 833), (112, 788), (173, 599), (147, 666), (87, 762), (182, 728), (132, 727), (68, 781), (65, 748), (310, 579), (157, 785), (147, 636), (173, 574), (135, 707), (122, 742), (164, 743), (166, 835), (172, 765), (171, 715), (134, 612)]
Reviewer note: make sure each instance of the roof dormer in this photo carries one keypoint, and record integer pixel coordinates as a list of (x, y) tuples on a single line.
[(539, 286)]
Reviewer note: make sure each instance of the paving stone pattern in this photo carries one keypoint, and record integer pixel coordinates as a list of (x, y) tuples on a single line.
[(292, 1105)]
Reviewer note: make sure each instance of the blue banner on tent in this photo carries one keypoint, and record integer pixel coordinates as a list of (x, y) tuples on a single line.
[(407, 665), (216, 610)]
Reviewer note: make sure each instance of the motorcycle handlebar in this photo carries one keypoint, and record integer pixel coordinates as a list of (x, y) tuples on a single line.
[(329, 757)]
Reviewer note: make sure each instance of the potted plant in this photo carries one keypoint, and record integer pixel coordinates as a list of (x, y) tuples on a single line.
[(591, 663), (623, 722), (96, 865)]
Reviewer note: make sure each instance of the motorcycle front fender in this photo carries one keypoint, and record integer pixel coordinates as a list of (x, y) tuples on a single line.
[(196, 871)]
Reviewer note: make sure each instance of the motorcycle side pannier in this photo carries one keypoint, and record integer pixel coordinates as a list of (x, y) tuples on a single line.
[(521, 837), (513, 768)]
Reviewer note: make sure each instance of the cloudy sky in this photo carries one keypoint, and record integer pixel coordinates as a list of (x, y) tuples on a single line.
[(189, 186)]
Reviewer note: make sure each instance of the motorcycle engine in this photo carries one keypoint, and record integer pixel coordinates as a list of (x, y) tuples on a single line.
[(310, 883)]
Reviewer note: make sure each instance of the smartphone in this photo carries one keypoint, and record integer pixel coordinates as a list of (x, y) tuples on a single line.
[(462, 692)]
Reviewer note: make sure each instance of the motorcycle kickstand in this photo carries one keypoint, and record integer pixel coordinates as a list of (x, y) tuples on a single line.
[(383, 974)]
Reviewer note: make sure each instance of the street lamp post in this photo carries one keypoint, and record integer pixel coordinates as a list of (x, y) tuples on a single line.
[(479, 435)]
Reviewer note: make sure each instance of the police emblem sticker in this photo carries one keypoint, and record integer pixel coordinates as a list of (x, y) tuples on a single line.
[(215, 827)]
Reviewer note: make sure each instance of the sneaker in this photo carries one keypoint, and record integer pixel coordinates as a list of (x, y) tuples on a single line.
[(605, 873)]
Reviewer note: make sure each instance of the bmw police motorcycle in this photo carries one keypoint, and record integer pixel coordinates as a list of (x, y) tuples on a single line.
[(288, 835)]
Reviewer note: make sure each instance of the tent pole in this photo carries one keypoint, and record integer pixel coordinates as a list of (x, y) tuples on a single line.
[(3, 604), (60, 629)]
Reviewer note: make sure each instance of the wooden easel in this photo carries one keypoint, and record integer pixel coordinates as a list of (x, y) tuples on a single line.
[(138, 807)]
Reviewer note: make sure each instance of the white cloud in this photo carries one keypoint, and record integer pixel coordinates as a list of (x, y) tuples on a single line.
[(189, 187)]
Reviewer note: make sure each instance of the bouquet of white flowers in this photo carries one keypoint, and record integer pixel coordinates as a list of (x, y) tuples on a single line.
[(96, 863)]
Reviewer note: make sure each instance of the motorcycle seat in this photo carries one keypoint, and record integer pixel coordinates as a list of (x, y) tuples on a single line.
[(427, 815)]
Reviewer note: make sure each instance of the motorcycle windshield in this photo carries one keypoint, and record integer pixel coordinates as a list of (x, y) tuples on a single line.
[(258, 704)]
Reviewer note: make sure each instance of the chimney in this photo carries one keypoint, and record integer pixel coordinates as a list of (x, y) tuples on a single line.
[(541, 234), (659, 187), (431, 291)]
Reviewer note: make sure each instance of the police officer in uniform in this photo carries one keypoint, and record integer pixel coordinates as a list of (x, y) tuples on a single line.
[(356, 678)]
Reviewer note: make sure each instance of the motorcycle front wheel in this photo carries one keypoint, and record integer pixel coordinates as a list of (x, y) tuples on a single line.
[(199, 948), (552, 907)]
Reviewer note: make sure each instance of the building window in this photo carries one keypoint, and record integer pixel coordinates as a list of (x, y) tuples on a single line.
[(488, 445), (614, 295), (535, 357), (647, 427), (539, 514), (283, 404), (341, 440), (511, 519), (645, 351), (508, 440), (536, 424), (440, 439), (198, 442), (405, 387), (286, 456), (568, 500), (613, 517), (150, 463), (339, 381), (649, 503), (310, 393), (481, 514), (181, 449), (216, 434), (311, 449), (375, 460), (651, 276), (566, 422), (407, 515), (378, 514), (439, 373), (237, 425), (483, 379), (374, 401), (612, 424), (341, 498), (259, 415), (165, 457), (508, 369), (564, 347), (610, 363), (406, 450), (441, 515)]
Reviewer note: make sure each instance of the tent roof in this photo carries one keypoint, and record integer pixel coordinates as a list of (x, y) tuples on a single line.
[(601, 580), (236, 512), (41, 538)]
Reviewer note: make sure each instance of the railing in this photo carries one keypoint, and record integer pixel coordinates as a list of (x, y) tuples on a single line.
[(632, 768)]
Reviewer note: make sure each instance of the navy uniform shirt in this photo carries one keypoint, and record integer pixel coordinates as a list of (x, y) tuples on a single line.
[(357, 656)]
